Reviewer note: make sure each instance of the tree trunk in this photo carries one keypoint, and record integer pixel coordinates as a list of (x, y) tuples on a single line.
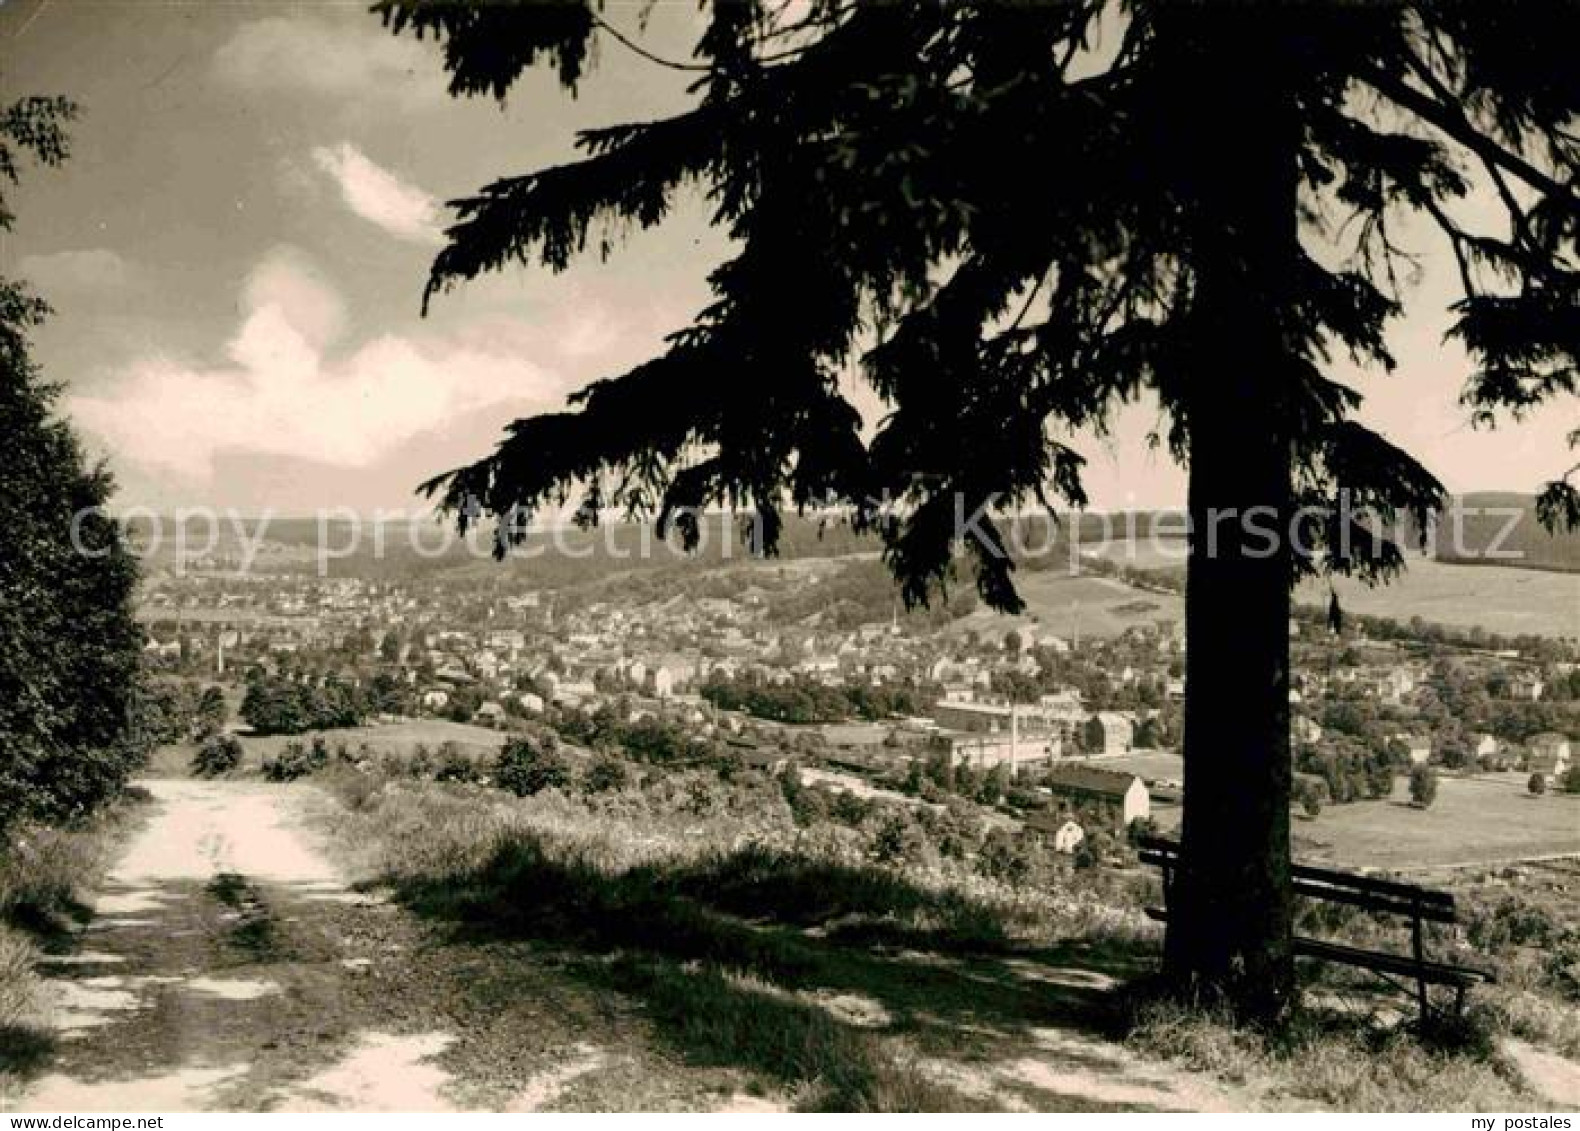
[(1229, 934)]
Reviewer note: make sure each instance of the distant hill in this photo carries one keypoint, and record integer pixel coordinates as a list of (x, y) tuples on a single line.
[(1493, 529), (1500, 528)]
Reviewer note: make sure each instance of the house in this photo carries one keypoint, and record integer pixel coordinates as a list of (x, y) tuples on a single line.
[(1064, 834), (1548, 753), (1484, 746), (1524, 685), (1305, 729), (1117, 797), (436, 700), (768, 759), (1068, 837), (1110, 732)]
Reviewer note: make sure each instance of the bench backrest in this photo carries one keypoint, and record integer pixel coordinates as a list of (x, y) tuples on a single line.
[(1367, 892)]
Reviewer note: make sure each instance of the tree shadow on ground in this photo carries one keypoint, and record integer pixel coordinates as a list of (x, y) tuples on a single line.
[(793, 969)]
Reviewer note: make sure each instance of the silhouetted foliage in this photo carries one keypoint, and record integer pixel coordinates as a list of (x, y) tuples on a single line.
[(69, 645)]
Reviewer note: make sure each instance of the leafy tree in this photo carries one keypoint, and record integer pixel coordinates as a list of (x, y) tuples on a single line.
[(211, 710), (529, 764), (870, 163), (69, 644), (1537, 785), (1423, 787)]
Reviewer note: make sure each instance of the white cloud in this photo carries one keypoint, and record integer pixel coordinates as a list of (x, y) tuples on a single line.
[(283, 394), (84, 269), (343, 59), (379, 196)]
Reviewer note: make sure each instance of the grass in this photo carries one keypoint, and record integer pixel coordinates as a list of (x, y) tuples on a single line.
[(736, 931), (1483, 819), (733, 932), (1337, 1059), (42, 873)]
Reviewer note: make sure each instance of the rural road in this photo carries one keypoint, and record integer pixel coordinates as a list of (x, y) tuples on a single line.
[(229, 966)]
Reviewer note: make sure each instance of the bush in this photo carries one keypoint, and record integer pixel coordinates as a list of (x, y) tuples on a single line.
[(1004, 857), (1423, 786), (608, 774), (898, 841), (297, 761), (219, 755), (849, 809), (454, 765), (530, 764), (1537, 785)]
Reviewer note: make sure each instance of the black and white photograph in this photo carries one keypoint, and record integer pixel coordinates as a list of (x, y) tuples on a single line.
[(789, 556)]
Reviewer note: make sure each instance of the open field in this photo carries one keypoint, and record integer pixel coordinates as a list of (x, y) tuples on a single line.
[(1497, 598), (1482, 820), (1058, 604), (1502, 599)]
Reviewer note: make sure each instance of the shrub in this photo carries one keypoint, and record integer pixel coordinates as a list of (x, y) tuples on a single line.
[(1537, 785), (296, 761), (219, 755), (530, 764), (849, 809), (1423, 786), (1004, 857), (898, 841), (454, 765), (608, 774)]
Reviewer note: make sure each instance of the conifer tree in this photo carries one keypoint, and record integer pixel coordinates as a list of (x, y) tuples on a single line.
[(1016, 217)]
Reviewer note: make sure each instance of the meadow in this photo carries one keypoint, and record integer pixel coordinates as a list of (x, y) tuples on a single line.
[(1508, 600), (1486, 819), (839, 977), (1067, 606)]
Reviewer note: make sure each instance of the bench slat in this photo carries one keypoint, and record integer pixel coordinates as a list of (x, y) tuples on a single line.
[(1371, 902), (1162, 853), (1440, 973)]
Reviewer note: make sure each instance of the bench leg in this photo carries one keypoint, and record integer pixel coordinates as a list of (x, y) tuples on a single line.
[(1420, 957)]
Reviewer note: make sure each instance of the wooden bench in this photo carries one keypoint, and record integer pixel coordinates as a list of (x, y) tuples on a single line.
[(1417, 905)]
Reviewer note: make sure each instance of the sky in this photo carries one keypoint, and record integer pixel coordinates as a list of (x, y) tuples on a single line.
[(237, 247)]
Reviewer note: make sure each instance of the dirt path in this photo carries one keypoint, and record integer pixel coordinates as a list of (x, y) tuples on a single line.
[(228, 966)]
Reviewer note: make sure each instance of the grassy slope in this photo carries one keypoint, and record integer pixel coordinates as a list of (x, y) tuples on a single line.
[(844, 984)]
